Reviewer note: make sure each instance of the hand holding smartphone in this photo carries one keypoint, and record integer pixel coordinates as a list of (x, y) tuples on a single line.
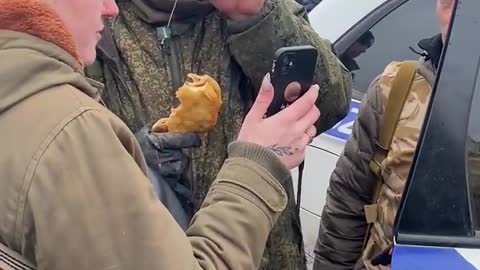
[(293, 69)]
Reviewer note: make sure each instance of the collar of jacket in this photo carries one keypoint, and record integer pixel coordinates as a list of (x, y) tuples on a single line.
[(37, 19), (349, 62), (37, 53), (433, 47), (158, 12)]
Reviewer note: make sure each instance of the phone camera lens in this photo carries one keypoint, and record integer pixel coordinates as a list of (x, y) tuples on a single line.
[(287, 64)]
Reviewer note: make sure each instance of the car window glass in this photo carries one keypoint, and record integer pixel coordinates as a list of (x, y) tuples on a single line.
[(389, 40), (441, 204)]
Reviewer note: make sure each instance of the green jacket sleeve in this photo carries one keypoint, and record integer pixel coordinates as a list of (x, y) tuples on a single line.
[(285, 23)]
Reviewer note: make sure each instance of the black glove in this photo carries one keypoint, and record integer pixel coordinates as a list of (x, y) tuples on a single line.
[(170, 169), (383, 258)]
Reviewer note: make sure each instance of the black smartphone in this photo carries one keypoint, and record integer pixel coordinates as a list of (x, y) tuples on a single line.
[(291, 65)]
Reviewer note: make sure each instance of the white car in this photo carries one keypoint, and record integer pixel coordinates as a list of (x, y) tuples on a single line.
[(396, 25)]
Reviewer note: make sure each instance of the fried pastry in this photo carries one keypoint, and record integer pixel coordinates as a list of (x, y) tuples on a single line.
[(200, 103)]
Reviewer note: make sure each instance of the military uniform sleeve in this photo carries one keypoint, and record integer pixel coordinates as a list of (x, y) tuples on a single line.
[(93, 208), (343, 224), (285, 23)]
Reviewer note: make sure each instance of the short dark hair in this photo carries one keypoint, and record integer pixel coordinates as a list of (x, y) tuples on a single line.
[(367, 39)]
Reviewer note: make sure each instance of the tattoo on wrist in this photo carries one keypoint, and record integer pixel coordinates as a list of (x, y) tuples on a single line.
[(281, 150)]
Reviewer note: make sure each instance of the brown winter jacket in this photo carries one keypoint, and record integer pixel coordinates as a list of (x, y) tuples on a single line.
[(73, 187)]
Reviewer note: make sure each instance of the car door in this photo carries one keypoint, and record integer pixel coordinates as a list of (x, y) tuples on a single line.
[(396, 25), (438, 225)]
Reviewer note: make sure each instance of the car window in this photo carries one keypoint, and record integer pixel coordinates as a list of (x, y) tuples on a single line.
[(441, 202), (389, 40)]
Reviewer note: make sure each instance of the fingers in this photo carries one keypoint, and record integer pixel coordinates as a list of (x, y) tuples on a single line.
[(301, 106), (175, 140), (301, 142), (143, 131), (311, 132), (308, 120), (308, 135), (264, 98)]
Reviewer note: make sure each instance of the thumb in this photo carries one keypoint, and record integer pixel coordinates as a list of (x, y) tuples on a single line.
[(263, 100)]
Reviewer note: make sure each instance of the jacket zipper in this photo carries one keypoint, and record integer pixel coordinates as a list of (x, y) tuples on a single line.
[(164, 35)]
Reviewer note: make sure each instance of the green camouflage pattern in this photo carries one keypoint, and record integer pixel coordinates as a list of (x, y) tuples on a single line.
[(238, 62), (286, 30)]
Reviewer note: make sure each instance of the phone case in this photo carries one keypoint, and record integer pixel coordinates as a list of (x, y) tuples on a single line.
[(291, 64)]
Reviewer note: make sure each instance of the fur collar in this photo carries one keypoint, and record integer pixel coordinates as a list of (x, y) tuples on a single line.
[(36, 18)]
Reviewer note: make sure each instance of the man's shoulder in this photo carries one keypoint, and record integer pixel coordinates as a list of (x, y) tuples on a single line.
[(384, 83), (66, 105), (379, 91), (414, 109), (39, 124), (66, 101)]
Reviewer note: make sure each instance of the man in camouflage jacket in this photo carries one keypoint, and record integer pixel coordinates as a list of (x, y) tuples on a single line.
[(343, 226), (234, 42)]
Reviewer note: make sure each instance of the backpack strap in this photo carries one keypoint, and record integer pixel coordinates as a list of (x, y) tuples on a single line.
[(399, 91), (11, 260), (396, 100)]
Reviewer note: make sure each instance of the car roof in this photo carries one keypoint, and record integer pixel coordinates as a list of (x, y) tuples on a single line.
[(332, 18)]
